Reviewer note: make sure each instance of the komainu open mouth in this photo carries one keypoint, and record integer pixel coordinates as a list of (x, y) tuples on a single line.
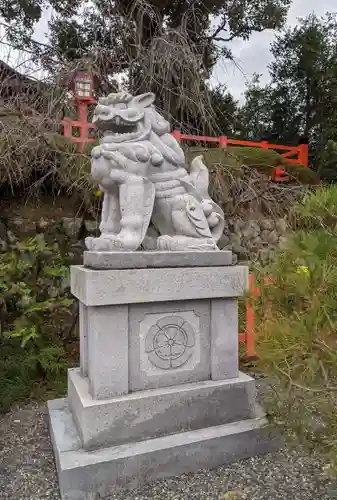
[(120, 127)]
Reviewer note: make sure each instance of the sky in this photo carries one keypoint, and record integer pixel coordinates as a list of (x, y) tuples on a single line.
[(251, 56), (254, 55)]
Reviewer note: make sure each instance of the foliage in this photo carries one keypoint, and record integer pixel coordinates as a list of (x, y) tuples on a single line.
[(318, 209), (34, 159), (167, 47), (327, 165), (301, 99), (254, 119), (297, 327), (36, 316)]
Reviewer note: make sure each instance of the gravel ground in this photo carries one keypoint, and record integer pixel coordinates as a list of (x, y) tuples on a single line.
[(27, 471)]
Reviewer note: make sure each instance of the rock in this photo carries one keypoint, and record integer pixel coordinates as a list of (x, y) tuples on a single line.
[(3, 229), (230, 222), (283, 242), (40, 239), (273, 237), (91, 226), (267, 224), (78, 245), (3, 245), (65, 285), (53, 292), (238, 225), (241, 252), (235, 239), (250, 232), (224, 240), (22, 226), (281, 226), (43, 224), (72, 226), (264, 236), (256, 242), (12, 239), (264, 255)]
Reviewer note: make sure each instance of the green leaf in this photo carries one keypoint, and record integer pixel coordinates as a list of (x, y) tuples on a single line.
[(25, 334)]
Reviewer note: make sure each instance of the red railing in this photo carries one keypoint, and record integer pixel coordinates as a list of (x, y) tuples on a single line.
[(293, 154)]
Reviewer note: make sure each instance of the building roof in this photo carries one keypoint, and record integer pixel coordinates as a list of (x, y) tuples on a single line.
[(17, 82)]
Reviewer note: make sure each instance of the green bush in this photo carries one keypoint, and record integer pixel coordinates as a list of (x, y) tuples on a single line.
[(297, 324), (327, 164), (318, 209), (37, 318)]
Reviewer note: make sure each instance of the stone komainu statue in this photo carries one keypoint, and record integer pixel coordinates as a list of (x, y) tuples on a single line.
[(140, 168)]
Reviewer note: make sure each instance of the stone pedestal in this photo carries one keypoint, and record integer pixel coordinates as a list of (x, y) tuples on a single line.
[(158, 392)]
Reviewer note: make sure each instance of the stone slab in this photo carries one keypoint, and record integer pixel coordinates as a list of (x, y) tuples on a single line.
[(130, 286), (224, 339), (108, 354), (87, 475), (157, 412), (143, 260)]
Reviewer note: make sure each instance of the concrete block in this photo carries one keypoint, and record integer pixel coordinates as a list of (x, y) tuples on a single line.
[(224, 339), (87, 475), (157, 412), (156, 259), (132, 286), (169, 344)]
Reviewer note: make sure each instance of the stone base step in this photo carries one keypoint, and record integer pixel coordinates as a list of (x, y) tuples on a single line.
[(84, 474)]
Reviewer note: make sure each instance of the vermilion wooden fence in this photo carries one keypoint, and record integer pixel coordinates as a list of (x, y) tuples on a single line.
[(294, 154)]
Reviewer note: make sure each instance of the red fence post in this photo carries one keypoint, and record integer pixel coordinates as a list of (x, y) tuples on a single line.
[(83, 120), (249, 337), (223, 141), (250, 318), (177, 135)]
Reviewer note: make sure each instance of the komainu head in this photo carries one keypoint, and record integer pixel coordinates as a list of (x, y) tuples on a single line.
[(125, 118)]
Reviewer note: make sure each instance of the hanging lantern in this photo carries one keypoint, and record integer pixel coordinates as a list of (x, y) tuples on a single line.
[(83, 87)]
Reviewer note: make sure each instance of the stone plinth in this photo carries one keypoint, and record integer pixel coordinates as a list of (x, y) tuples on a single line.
[(158, 391)]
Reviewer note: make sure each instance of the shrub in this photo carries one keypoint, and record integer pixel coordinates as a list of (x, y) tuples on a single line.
[(37, 318), (297, 324)]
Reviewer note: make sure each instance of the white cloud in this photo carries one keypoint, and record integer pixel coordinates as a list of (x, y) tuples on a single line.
[(254, 55)]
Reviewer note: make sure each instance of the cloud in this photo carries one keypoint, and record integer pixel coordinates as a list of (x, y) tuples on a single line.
[(254, 55)]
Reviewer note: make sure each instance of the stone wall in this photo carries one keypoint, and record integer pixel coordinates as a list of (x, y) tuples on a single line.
[(74, 230), (253, 239), (248, 239)]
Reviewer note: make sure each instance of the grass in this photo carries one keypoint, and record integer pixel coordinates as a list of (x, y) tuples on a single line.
[(21, 379)]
